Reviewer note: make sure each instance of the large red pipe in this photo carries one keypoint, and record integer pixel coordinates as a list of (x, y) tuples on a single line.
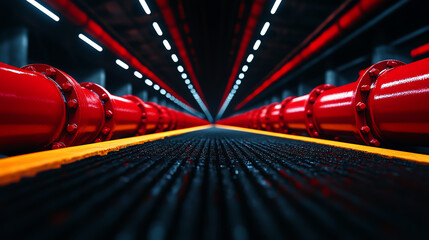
[(42, 107), (389, 103)]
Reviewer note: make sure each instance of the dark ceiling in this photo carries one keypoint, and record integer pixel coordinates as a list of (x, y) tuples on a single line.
[(212, 32)]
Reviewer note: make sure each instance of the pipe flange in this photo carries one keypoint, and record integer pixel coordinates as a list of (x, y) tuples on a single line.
[(72, 93), (312, 129), (142, 128), (360, 100), (282, 109), (109, 112)]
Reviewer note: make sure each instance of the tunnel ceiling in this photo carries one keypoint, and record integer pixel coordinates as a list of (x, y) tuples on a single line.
[(212, 32)]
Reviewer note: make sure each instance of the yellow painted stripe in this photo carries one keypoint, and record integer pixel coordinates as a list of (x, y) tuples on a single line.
[(12, 169), (421, 158)]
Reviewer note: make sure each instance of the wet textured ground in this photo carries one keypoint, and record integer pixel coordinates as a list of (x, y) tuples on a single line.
[(220, 184)]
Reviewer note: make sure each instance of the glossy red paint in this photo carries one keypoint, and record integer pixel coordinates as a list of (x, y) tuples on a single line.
[(30, 115), (42, 107), (275, 116), (387, 104), (149, 116), (84, 109), (398, 104), (424, 49), (349, 20)]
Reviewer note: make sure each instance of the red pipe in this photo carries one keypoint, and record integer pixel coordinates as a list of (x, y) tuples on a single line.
[(42, 107), (387, 104), (420, 50), (37, 114), (346, 22), (81, 19)]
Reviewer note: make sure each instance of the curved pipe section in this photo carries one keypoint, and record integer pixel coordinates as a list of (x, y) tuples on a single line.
[(42, 107), (389, 103)]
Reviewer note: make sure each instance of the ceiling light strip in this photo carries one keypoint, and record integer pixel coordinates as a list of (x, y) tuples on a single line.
[(80, 18), (250, 27)]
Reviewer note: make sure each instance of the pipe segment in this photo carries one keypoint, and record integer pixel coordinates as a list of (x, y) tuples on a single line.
[(389, 103), (42, 107)]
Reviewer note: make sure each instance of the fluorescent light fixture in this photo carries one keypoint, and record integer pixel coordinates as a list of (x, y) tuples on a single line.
[(180, 68), (90, 42), (184, 76), (138, 74), (174, 57), (145, 6), (257, 44), (148, 82), (156, 87), (250, 58), (238, 82), (163, 92), (265, 28), (157, 28), (275, 6), (190, 86), (244, 68), (122, 64), (235, 87), (44, 10), (166, 44), (187, 81), (241, 75)]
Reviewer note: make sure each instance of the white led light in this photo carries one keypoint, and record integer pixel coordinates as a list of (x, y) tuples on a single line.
[(275, 6), (193, 91), (163, 92), (244, 68), (145, 6), (190, 86), (233, 91), (157, 28), (90, 42), (180, 68), (257, 44), (122, 64), (148, 82), (184, 76), (241, 75), (174, 57), (250, 58), (238, 82), (265, 28), (137, 74), (235, 87), (44, 10), (156, 87), (168, 95), (166, 44), (187, 81)]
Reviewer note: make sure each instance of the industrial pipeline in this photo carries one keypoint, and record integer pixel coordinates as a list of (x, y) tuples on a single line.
[(42, 107), (389, 104)]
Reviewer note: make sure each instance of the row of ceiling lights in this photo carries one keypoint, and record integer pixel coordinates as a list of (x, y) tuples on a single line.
[(175, 59), (249, 59), (122, 63)]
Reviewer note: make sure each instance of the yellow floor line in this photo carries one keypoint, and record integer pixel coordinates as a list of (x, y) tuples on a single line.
[(421, 158), (12, 169)]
